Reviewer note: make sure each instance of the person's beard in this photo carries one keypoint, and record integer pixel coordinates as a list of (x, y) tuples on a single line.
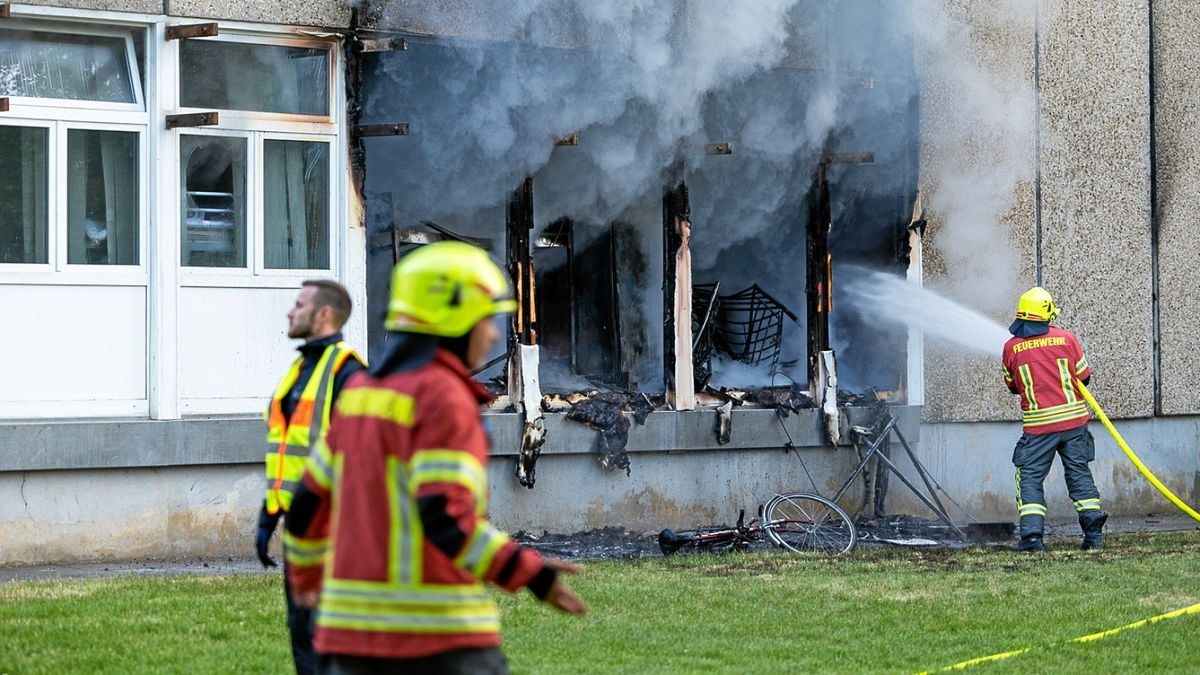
[(302, 328)]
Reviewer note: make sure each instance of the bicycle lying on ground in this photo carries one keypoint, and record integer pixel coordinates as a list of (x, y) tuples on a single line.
[(797, 521)]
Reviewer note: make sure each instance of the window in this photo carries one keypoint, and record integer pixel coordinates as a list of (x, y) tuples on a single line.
[(213, 169), (296, 210), (102, 197), (257, 189), (24, 199), (38, 64), (254, 77), (71, 183)]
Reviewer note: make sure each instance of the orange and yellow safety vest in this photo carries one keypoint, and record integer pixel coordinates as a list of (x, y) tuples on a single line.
[(289, 441)]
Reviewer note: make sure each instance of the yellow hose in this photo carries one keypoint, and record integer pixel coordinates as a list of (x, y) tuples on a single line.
[(1132, 457)]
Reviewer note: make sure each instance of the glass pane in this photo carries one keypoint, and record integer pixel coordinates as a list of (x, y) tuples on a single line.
[(296, 204), (260, 78), (23, 197), (62, 65), (102, 197), (213, 169)]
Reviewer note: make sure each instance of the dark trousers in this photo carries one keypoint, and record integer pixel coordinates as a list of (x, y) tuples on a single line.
[(1033, 458), (300, 626), (488, 661)]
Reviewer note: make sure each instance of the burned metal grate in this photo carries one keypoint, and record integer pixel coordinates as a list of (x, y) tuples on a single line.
[(746, 326)]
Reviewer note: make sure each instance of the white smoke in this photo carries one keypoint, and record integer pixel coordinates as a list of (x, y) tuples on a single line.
[(978, 120), (646, 83)]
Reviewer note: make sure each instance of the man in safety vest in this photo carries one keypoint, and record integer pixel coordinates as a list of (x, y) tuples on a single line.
[(1041, 365), (389, 529), (298, 418)]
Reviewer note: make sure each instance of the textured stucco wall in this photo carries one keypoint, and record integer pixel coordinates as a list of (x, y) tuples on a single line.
[(322, 13), (1096, 190), (1177, 145), (960, 139), (1095, 252), (139, 6)]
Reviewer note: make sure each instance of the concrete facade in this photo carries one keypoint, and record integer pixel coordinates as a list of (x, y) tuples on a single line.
[(1096, 191), (977, 141), (1177, 163)]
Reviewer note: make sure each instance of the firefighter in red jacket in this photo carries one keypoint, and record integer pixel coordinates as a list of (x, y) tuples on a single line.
[(1041, 365), (388, 531)]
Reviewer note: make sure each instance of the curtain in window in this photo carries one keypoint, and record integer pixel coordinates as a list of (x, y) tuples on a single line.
[(120, 196), (296, 204), (34, 200), (285, 210), (102, 214)]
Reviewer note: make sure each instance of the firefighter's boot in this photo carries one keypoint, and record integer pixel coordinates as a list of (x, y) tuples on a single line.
[(1030, 543), (1092, 524)]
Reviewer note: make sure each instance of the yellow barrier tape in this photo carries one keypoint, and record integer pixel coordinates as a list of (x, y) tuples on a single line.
[(1194, 609), (1132, 457)]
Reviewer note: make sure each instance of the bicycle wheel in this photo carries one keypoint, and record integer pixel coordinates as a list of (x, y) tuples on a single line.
[(802, 522)]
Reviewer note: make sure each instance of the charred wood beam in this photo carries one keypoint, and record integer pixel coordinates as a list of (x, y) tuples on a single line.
[(392, 129), (388, 44), (520, 261), (677, 298), (819, 261), (203, 119), (818, 272), (192, 30), (356, 147)]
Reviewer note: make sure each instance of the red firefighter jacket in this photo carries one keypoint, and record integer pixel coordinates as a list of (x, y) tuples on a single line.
[(399, 544), (1043, 370)]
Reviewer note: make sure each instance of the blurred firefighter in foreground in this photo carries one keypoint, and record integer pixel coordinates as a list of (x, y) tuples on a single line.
[(388, 533), (297, 419), (1041, 365)]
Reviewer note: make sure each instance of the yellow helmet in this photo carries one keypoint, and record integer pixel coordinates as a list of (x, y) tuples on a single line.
[(1036, 304), (446, 288)]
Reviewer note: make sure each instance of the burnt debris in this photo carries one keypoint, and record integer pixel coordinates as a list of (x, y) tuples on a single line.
[(609, 413)]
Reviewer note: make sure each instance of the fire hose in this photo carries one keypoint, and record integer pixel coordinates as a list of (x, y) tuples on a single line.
[(1133, 457)]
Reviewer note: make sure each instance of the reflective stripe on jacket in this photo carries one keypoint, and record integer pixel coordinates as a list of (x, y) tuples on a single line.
[(289, 441), (1042, 370), (399, 545)]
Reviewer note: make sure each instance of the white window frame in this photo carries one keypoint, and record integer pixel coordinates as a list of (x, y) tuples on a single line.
[(260, 126), (57, 271), (87, 107), (260, 232), (251, 206), (109, 273), (273, 121), (160, 227)]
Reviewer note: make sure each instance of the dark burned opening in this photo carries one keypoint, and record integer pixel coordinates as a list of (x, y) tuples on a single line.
[(723, 271), (782, 247)]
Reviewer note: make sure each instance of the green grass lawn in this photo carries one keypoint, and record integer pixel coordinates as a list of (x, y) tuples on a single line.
[(882, 610)]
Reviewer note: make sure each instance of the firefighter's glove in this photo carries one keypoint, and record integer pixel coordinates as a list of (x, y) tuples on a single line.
[(266, 527)]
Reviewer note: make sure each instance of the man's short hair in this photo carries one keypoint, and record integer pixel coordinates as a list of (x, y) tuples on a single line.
[(333, 295)]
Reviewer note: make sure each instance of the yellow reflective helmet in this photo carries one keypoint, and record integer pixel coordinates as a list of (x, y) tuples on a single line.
[(1036, 304), (446, 288)]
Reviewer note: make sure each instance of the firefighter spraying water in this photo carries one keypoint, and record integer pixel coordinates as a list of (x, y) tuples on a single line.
[(924, 311)]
